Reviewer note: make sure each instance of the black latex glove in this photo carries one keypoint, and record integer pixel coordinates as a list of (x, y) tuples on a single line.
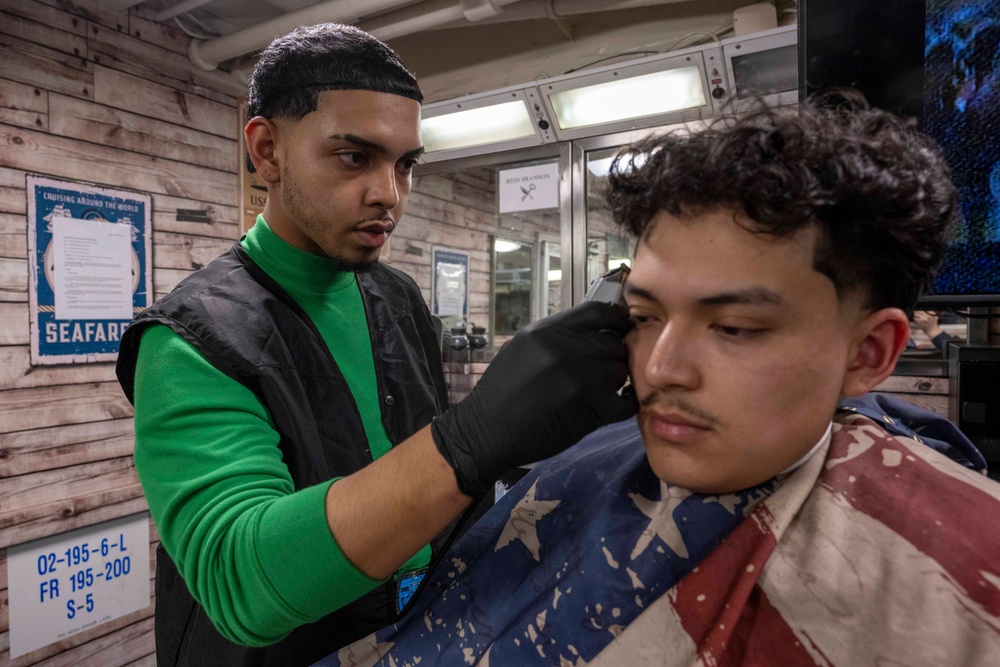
[(552, 384)]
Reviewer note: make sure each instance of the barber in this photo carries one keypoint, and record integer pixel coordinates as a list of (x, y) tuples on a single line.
[(292, 433)]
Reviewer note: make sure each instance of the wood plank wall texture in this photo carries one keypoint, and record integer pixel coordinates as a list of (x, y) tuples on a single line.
[(110, 99)]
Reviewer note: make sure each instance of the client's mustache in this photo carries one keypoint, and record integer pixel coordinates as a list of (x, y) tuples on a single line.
[(665, 402)]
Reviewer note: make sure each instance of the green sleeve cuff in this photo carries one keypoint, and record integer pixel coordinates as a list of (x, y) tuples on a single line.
[(302, 560)]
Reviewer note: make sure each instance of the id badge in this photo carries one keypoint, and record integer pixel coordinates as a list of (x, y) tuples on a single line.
[(406, 586)]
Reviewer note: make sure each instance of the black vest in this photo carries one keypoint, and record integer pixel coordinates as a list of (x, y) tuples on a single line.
[(252, 330)]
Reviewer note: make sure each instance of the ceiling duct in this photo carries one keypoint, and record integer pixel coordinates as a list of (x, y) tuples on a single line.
[(209, 53)]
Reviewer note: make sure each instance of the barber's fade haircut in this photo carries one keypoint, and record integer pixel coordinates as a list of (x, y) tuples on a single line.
[(294, 68), (878, 189)]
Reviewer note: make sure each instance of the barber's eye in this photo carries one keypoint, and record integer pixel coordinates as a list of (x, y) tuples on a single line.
[(406, 166), (353, 158)]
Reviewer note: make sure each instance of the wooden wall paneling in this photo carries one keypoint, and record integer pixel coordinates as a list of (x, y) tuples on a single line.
[(68, 42), (80, 119), (13, 322), (165, 280), (126, 53), (451, 213), (46, 68), (13, 278), (16, 371), (69, 158), (13, 266), (186, 216), (12, 178), (13, 227), (23, 105), (62, 492), (164, 35), (155, 100), (55, 17), (90, 10), (59, 405), (930, 393), (63, 446), (13, 200), (181, 251)]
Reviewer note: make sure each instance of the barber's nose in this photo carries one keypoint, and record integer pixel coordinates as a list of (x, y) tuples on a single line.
[(672, 361), (383, 188)]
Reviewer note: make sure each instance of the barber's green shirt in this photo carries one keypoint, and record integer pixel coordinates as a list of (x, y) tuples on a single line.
[(258, 556)]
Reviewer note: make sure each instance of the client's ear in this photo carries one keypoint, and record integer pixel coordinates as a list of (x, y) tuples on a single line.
[(879, 340)]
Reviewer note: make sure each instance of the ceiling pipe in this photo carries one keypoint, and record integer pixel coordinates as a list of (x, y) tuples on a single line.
[(208, 54), (178, 9), (431, 15), (527, 10)]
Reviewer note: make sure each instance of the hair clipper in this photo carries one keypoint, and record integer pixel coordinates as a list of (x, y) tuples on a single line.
[(610, 287)]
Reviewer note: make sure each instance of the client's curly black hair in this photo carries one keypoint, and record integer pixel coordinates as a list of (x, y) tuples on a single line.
[(879, 189)]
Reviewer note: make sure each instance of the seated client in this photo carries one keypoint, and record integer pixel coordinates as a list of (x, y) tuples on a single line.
[(753, 512)]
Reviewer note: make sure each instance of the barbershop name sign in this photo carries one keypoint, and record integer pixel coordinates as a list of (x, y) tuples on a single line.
[(529, 188)]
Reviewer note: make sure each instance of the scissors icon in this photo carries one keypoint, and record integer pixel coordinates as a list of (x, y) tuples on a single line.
[(527, 192)]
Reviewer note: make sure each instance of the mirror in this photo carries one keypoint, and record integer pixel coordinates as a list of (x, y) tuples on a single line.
[(513, 279)]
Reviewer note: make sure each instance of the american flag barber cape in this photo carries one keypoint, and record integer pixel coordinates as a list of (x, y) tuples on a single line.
[(877, 550)]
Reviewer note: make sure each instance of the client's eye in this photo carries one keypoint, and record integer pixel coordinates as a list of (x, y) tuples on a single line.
[(737, 333)]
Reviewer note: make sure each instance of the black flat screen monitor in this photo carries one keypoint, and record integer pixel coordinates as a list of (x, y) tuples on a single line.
[(937, 61)]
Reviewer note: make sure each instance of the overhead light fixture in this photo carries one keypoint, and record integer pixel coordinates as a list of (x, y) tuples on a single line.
[(645, 92), (475, 127), (633, 97), (496, 121)]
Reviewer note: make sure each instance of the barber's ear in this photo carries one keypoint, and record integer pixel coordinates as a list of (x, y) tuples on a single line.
[(879, 339), (262, 139)]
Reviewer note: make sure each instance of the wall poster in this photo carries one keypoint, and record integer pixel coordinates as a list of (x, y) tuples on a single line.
[(90, 254), (450, 283)]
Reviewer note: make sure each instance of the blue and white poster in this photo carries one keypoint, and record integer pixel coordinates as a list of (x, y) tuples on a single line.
[(450, 283), (91, 268)]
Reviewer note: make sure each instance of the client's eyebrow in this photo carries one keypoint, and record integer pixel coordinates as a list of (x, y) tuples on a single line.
[(751, 296)]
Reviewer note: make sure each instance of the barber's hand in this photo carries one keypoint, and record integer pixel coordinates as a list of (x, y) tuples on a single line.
[(549, 386)]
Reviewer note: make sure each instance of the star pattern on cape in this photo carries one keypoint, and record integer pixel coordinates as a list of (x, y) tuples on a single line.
[(523, 522), (364, 653), (661, 519)]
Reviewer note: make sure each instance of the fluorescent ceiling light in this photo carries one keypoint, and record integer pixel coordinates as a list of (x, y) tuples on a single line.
[(476, 127), (632, 97), (501, 245)]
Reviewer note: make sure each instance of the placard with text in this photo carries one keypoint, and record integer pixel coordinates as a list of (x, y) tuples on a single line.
[(90, 268), (65, 584)]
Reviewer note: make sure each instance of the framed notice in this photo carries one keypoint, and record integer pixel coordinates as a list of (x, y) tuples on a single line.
[(450, 283), (90, 268)]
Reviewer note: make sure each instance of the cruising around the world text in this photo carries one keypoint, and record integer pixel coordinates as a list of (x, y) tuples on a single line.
[(65, 584)]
